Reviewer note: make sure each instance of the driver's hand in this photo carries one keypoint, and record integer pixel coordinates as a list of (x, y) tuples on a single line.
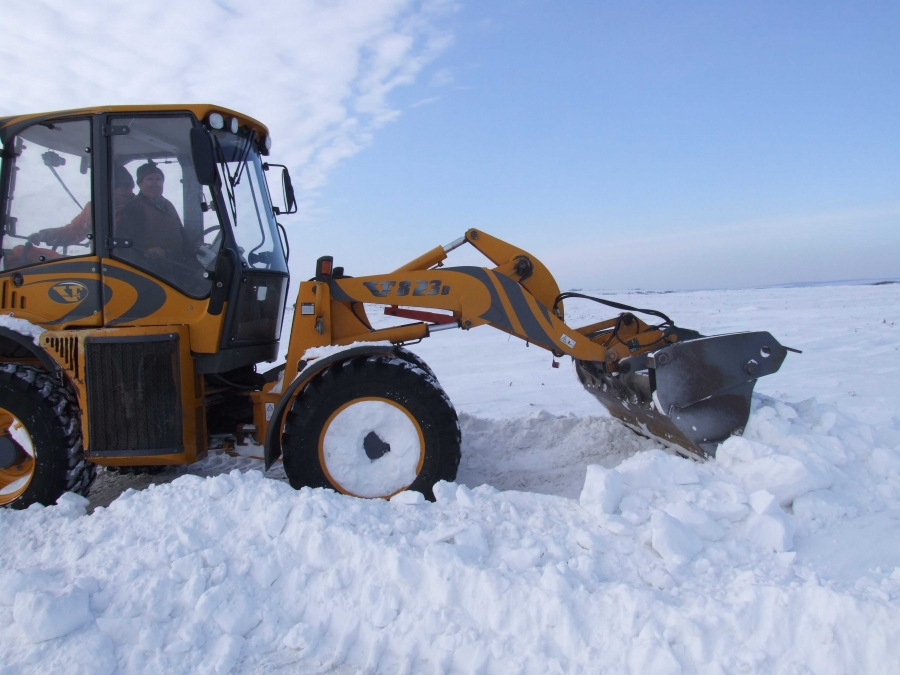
[(36, 238)]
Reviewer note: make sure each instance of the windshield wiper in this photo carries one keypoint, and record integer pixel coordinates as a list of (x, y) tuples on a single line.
[(245, 153), (229, 184)]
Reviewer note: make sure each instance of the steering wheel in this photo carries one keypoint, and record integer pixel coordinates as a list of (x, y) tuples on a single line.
[(209, 252)]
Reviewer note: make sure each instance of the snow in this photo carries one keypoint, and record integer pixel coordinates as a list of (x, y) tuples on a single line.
[(21, 326), (45, 615), (567, 545), (331, 350), (603, 490)]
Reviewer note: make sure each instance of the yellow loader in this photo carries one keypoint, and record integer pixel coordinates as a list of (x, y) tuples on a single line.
[(144, 279)]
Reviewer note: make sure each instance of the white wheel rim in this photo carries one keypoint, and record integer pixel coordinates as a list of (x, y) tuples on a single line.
[(12, 486), (342, 448)]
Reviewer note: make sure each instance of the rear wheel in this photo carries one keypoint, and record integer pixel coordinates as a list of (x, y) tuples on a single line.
[(372, 427), (41, 454)]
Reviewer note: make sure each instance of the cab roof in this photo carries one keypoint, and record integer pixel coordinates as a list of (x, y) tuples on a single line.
[(10, 126)]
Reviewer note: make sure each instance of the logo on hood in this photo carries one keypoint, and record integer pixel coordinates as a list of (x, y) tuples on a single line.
[(68, 292)]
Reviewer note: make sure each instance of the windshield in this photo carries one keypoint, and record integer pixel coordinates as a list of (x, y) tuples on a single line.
[(244, 184)]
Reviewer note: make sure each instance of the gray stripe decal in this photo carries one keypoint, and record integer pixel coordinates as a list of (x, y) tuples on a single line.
[(150, 295), (544, 311), (495, 313), (338, 293), (526, 317)]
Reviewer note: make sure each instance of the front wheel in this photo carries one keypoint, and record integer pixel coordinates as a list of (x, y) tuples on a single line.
[(41, 455), (372, 427)]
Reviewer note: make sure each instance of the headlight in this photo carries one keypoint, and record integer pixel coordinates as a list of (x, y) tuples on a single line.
[(267, 143), (233, 124), (216, 121)]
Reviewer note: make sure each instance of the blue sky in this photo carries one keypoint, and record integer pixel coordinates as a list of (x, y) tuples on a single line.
[(653, 144), (661, 145)]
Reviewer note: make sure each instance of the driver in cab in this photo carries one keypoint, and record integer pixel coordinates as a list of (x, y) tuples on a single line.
[(149, 221)]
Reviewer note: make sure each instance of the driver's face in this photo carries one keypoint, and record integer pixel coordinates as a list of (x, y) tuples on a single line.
[(152, 185)]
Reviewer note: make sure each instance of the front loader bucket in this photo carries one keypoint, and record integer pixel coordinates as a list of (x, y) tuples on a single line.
[(693, 394)]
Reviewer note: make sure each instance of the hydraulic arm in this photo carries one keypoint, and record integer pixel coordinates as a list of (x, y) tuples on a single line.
[(687, 389)]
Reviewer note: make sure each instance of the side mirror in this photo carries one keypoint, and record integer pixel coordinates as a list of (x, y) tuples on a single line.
[(203, 157), (290, 201)]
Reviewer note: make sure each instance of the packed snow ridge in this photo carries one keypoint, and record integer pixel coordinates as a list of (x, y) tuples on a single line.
[(780, 556)]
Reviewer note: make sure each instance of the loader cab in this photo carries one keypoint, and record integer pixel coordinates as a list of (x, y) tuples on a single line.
[(106, 223), (213, 237)]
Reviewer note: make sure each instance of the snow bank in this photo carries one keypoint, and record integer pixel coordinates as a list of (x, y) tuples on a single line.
[(665, 566)]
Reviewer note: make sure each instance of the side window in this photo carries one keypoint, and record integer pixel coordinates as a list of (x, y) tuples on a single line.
[(48, 213), (164, 220)]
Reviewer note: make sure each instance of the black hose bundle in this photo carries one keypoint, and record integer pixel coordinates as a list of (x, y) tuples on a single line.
[(610, 303)]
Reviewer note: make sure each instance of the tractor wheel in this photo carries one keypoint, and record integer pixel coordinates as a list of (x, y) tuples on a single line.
[(41, 455), (372, 427)]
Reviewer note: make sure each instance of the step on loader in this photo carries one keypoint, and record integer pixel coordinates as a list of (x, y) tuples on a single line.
[(143, 283)]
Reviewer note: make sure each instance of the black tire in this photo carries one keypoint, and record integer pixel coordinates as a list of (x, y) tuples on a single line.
[(49, 413), (389, 378), (415, 360)]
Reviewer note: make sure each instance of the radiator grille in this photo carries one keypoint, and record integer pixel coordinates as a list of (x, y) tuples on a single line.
[(134, 395)]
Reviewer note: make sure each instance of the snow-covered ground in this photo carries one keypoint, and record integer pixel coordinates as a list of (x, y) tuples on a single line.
[(569, 545)]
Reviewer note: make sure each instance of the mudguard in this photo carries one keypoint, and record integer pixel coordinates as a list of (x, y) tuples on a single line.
[(272, 449)]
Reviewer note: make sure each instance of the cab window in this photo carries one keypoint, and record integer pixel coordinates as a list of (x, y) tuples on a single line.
[(49, 213), (164, 219)]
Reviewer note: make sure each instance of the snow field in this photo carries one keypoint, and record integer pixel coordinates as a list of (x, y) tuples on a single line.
[(781, 556)]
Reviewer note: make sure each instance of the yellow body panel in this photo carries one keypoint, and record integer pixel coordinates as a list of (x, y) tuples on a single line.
[(128, 304)]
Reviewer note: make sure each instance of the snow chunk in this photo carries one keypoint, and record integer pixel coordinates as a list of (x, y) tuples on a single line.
[(656, 469), (444, 492), (771, 531), (409, 497), (219, 486), (783, 476), (673, 540), (71, 504), (464, 497), (737, 449), (759, 468), (274, 517), (603, 490), (45, 615), (763, 502), (697, 519)]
